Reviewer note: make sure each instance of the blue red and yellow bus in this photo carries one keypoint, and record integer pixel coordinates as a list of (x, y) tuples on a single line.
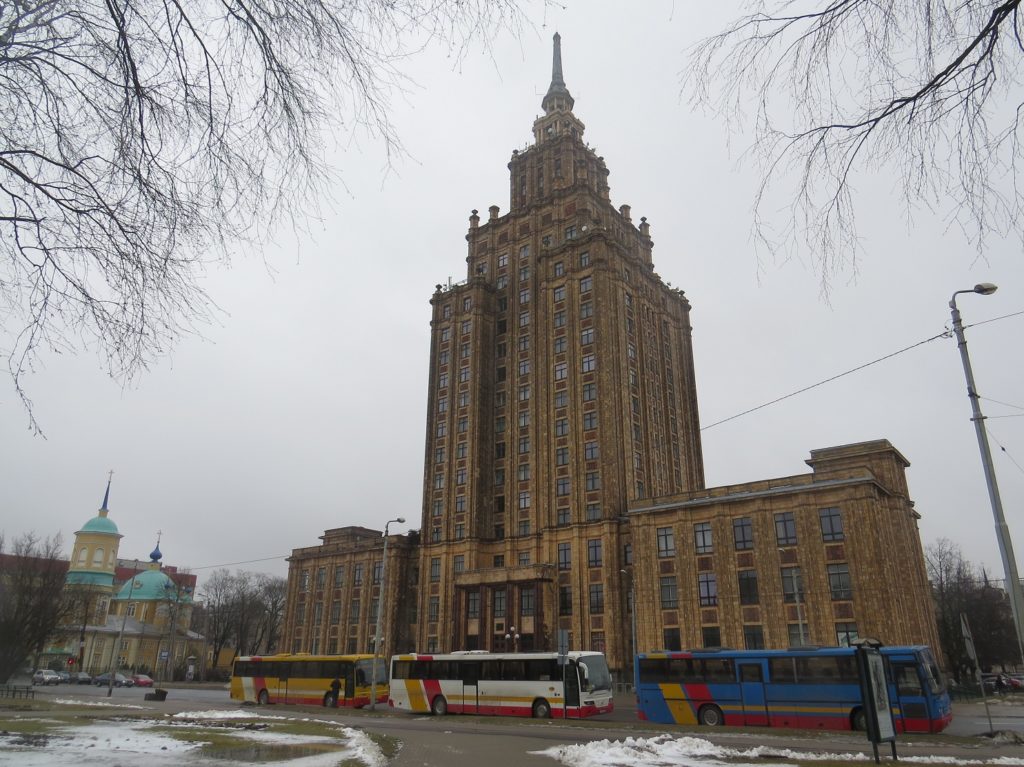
[(308, 679), (815, 688), (502, 684)]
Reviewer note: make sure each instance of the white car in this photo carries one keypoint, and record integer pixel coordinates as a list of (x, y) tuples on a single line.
[(44, 676)]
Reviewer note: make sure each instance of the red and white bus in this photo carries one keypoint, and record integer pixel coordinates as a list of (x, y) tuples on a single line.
[(504, 684)]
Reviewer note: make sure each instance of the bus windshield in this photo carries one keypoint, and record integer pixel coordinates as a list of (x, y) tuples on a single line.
[(936, 681), (596, 673)]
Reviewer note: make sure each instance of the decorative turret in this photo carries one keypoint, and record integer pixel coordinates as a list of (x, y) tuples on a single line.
[(94, 555), (558, 97)]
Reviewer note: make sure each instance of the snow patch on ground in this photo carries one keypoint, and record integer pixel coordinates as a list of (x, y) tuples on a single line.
[(94, 703)]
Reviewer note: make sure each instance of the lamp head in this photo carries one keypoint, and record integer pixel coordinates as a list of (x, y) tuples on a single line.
[(401, 520), (985, 288)]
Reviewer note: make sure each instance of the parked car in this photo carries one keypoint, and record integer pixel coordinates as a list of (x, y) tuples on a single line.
[(65, 677), (44, 676), (103, 680), (142, 680), (80, 677)]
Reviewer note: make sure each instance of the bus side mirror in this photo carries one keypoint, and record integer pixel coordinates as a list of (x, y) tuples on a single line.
[(585, 681)]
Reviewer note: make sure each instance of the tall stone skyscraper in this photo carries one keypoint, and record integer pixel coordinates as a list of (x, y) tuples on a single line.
[(561, 388)]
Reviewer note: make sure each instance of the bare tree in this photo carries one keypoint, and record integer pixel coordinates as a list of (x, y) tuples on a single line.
[(32, 603), (273, 593), (931, 90), (143, 139)]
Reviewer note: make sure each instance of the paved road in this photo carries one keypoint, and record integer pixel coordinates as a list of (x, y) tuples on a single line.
[(502, 742)]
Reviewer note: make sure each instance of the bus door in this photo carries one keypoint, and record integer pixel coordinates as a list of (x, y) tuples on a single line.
[(910, 696), (284, 671), (751, 675), (470, 686), (572, 673)]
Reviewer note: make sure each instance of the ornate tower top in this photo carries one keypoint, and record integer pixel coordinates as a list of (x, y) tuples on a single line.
[(558, 96)]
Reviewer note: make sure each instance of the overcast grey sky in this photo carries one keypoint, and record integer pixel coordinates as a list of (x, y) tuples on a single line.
[(303, 408)]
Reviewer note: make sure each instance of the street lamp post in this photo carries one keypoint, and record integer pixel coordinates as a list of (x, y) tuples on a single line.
[(381, 612), (632, 606), (120, 634), (513, 637), (1013, 587)]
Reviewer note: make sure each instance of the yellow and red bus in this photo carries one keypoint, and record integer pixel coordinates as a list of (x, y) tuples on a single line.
[(506, 684), (308, 679)]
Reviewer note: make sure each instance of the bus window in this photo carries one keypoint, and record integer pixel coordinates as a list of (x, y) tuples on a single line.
[(655, 671), (907, 681), (513, 670), (719, 670), (750, 672), (401, 669), (781, 670), (685, 671)]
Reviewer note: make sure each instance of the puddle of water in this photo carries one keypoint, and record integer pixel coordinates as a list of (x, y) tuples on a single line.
[(271, 752)]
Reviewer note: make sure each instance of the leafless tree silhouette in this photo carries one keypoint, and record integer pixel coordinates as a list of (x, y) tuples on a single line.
[(141, 140), (930, 89)]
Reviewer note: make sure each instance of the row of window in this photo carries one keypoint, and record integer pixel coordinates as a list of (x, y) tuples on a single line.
[(839, 582), (830, 519), (753, 636), (339, 576)]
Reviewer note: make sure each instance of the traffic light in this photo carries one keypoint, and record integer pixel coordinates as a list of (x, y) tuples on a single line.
[(71, 661)]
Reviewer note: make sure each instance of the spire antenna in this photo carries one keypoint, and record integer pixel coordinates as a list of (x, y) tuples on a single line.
[(558, 97), (106, 495)]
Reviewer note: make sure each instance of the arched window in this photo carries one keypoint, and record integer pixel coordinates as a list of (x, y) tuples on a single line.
[(83, 555), (97, 557)]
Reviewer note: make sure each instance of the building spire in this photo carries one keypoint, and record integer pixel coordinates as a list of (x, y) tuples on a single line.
[(106, 495), (558, 95)]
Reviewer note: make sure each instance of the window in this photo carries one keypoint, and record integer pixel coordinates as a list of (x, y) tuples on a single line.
[(524, 445), (846, 633), (561, 427), (666, 542), (463, 374), (743, 533), (353, 611), (669, 593), (524, 393), (445, 334), (501, 349), (524, 343), (524, 251), (473, 604), (702, 538), (502, 306), (439, 455), (524, 499), (589, 421), (563, 517), (446, 311), (627, 553), (631, 350), (460, 450), (785, 529), (524, 319), (589, 392), (594, 554), (711, 636), (443, 357), (442, 405), (459, 563), (559, 293), (524, 419), (503, 260), (433, 608), (798, 635), (526, 596), (561, 370), (563, 486), (377, 571), (560, 345), (587, 336), (564, 556), (753, 637), (586, 284), (839, 581), (460, 476), (596, 598), (435, 535), (524, 527), (499, 477), (523, 472), (559, 269), (561, 456), (339, 576), (565, 600), (460, 504), (593, 481), (464, 351), (467, 304), (584, 259), (593, 512), (524, 558), (467, 325), (559, 319), (524, 273), (586, 310), (460, 531), (524, 296), (589, 363), (748, 587), (524, 367), (708, 589), (792, 585), (499, 424), (442, 381), (335, 612), (435, 568), (561, 398), (570, 233), (438, 506), (499, 597), (499, 449), (831, 524)]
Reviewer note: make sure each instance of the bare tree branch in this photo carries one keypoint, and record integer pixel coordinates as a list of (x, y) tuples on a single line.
[(843, 88)]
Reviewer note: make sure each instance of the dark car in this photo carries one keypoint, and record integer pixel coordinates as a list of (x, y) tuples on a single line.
[(45, 677), (65, 677), (103, 680), (80, 677)]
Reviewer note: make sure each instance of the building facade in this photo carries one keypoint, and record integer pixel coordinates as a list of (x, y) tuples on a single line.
[(563, 475)]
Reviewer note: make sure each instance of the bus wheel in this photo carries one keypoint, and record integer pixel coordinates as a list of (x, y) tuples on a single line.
[(263, 699), (328, 700), (439, 706), (858, 720), (541, 710), (711, 716)]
